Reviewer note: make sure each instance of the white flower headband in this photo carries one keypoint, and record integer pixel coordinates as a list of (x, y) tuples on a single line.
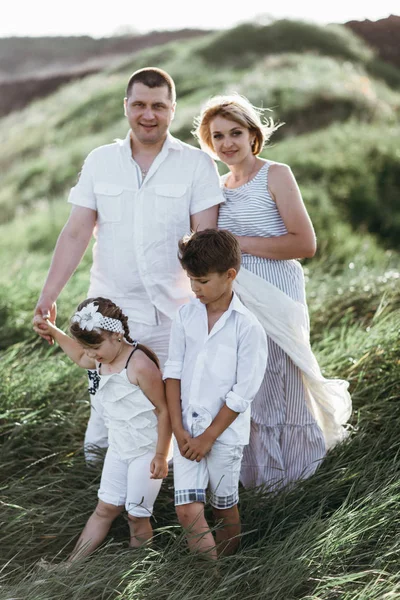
[(89, 318)]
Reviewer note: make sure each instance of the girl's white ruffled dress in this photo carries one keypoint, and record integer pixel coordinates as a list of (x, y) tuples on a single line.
[(128, 414)]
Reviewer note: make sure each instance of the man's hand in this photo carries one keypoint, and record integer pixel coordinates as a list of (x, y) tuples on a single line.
[(45, 310), (197, 448), (159, 467)]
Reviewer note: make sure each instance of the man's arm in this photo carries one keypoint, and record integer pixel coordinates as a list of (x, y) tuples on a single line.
[(206, 195), (71, 245), (206, 219)]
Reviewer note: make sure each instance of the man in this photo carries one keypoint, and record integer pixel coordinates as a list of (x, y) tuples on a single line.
[(138, 196)]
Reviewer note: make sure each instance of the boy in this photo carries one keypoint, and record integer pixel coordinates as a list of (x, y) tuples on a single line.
[(216, 363)]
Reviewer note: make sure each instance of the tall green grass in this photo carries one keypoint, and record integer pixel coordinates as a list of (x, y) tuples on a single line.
[(334, 536)]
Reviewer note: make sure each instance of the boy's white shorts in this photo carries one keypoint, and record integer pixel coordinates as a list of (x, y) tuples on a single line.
[(128, 482), (218, 471)]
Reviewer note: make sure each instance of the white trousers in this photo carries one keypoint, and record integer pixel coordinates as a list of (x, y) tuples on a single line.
[(157, 339), (128, 482)]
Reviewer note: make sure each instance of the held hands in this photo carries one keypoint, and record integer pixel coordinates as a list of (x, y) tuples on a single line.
[(197, 448), (45, 328), (159, 467), (45, 310)]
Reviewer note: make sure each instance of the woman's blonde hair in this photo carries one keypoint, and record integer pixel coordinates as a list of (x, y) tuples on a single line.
[(239, 109)]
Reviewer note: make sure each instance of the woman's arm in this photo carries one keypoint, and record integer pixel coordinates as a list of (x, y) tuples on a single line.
[(70, 346), (150, 381), (299, 241)]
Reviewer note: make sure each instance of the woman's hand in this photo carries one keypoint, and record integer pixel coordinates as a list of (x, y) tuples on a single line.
[(159, 467)]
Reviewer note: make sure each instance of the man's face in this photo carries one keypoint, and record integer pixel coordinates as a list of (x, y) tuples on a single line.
[(149, 112)]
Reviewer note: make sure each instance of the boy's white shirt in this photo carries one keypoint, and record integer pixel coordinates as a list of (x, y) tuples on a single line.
[(225, 366)]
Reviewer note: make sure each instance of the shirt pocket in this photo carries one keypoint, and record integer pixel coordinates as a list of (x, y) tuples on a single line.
[(109, 202), (171, 201), (225, 364)]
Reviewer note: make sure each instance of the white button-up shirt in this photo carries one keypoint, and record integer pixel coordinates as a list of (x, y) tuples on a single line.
[(139, 223), (225, 366)]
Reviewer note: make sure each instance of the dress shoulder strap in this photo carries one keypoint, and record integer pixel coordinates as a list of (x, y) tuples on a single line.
[(135, 345)]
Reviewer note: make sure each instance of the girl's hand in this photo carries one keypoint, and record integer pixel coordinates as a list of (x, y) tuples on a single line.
[(45, 310), (159, 467), (44, 327)]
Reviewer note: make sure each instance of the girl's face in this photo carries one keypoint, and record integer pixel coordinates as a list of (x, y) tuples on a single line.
[(231, 141), (107, 351)]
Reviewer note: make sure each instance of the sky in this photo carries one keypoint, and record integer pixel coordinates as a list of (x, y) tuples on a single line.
[(98, 19)]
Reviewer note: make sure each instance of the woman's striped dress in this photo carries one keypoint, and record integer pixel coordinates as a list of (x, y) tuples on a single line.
[(286, 444)]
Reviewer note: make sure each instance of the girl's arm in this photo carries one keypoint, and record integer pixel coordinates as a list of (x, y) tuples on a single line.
[(299, 241), (70, 346), (150, 381)]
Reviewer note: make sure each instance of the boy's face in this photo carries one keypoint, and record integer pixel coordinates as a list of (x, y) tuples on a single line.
[(213, 286)]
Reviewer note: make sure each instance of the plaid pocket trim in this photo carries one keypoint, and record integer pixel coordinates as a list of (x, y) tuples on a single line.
[(189, 496), (224, 501)]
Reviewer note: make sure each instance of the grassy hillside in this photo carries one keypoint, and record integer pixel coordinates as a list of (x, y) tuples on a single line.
[(333, 536)]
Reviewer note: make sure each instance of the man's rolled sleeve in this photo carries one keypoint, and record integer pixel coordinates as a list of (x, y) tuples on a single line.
[(176, 353), (252, 362), (82, 194), (206, 188)]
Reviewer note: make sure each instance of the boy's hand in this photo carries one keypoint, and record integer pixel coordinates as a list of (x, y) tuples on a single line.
[(159, 467), (196, 448), (182, 437)]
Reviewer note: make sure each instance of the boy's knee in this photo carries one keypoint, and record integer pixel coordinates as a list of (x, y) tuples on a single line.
[(188, 513), (226, 514), (108, 511)]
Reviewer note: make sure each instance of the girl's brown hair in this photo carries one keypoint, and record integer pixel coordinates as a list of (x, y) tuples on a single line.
[(95, 337)]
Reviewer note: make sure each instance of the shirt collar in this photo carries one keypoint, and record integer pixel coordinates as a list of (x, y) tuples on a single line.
[(170, 143), (235, 304)]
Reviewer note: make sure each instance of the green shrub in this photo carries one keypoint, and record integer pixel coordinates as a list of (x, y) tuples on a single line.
[(237, 46)]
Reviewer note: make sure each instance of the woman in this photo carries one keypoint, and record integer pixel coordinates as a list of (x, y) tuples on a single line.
[(265, 210)]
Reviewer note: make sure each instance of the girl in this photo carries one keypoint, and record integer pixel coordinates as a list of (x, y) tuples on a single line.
[(129, 393)]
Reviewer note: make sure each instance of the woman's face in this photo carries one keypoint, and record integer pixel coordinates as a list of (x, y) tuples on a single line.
[(231, 141)]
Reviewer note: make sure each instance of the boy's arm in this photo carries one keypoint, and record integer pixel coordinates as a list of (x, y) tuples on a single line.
[(196, 448), (173, 390), (251, 364), (172, 376), (70, 346), (150, 381)]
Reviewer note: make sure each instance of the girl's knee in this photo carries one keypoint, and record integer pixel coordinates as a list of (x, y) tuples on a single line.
[(107, 511), (138, 521), (189, 513)]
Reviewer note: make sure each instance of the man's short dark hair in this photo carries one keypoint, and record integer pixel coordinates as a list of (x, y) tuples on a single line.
[(152, 77), (209, 251)]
